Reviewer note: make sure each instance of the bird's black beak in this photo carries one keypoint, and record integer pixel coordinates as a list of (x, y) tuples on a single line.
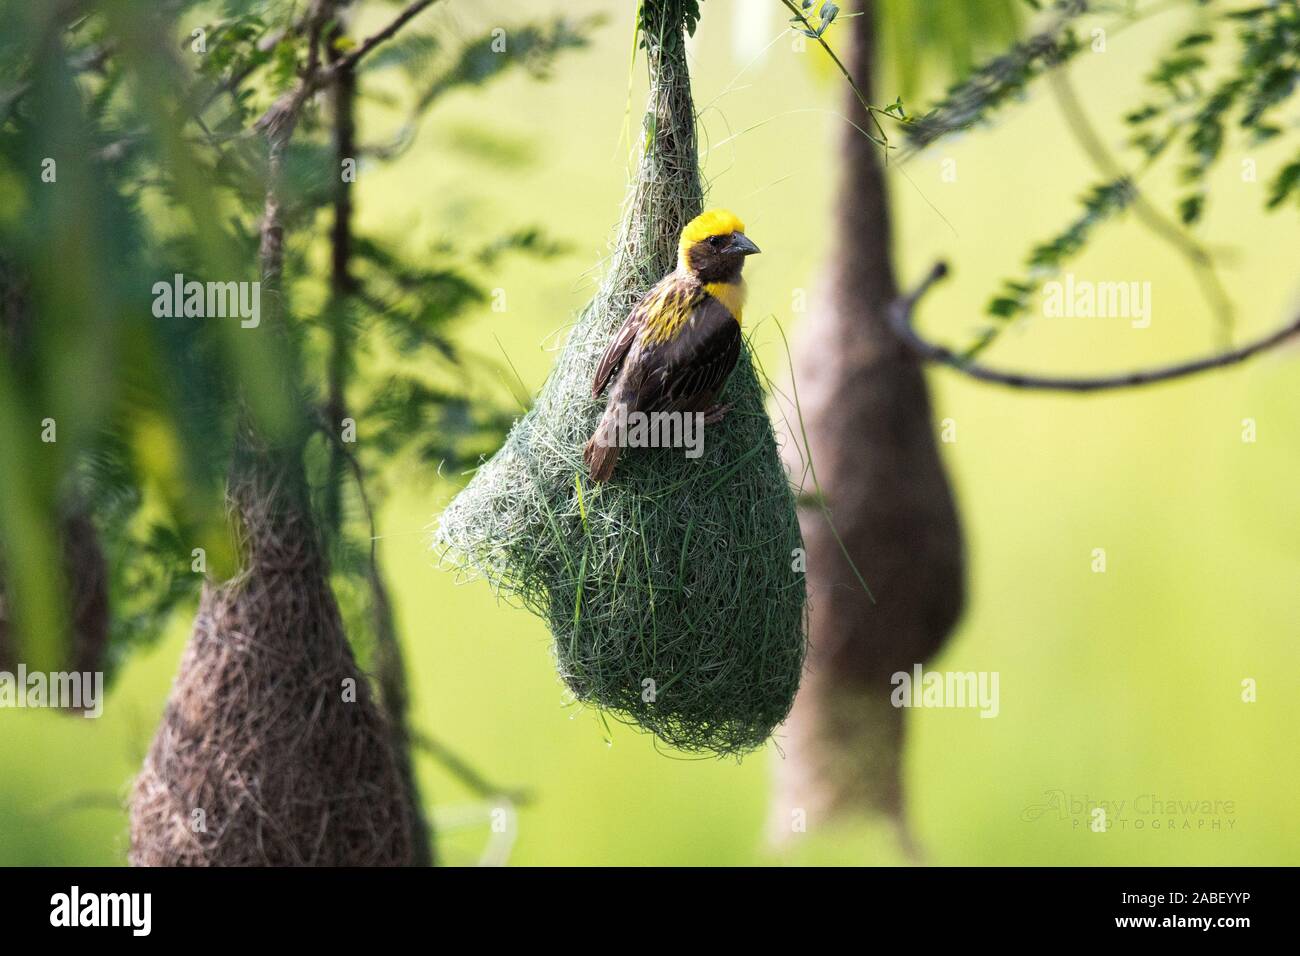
[(740, 243)]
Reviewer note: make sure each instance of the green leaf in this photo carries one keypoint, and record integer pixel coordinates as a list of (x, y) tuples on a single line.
[(1287, 182), (1191, 208)]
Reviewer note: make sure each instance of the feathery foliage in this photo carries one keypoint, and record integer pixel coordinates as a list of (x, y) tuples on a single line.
[(1190, 114), (147, 112)]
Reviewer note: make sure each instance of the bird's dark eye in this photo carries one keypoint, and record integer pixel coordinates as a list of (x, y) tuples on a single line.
[(716, 241)]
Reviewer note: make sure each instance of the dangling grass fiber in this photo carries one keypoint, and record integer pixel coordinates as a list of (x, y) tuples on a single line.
[(670, 590)]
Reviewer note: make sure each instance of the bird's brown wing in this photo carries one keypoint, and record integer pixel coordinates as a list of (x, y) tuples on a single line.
[(617, 349), (668, 293), (687, 372)]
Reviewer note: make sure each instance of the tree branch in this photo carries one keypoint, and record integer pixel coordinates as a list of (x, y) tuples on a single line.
[(844, 71), (394, 693), (1197, 256), (284, 111), (368, 44), (458, 767), (900, 317), (278, 125)]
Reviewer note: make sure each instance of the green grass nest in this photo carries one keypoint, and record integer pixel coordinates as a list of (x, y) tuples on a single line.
[(670, 590)]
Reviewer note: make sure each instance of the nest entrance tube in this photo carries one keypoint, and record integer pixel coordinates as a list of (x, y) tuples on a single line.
[(671, 590)]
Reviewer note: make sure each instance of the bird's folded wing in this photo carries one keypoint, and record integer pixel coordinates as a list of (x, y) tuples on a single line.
[(688, 371), (660, 313)]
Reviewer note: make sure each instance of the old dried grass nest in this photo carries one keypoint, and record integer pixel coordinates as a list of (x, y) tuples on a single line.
[(670, 590), (260, 759)]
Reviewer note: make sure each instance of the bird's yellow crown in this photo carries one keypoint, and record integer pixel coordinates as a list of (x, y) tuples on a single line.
[(714, 222)]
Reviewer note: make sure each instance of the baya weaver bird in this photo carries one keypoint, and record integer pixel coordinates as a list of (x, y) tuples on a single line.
[(681, 341)]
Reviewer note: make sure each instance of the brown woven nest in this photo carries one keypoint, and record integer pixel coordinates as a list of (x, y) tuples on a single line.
[(263, 758)]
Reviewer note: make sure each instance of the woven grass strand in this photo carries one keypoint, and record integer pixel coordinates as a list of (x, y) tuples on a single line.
[(669, 590)]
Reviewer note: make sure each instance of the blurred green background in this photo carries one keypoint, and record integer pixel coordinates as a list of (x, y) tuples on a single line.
[(1114, 686)]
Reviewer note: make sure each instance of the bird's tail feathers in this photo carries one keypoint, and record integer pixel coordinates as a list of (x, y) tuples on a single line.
[(601, 452)]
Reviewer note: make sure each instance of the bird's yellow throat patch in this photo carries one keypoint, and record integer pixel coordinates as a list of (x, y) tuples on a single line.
[(730, 294)]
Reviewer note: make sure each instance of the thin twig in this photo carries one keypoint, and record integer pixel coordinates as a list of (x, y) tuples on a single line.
[(900, 317), (412, 10), (991, 84), (393, 686), (284, 111), (871, 110), (467, 775), (393, 672), (1200, 259)]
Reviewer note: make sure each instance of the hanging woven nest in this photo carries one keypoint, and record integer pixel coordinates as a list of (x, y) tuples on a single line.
[(272, 751), (670, 589)]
